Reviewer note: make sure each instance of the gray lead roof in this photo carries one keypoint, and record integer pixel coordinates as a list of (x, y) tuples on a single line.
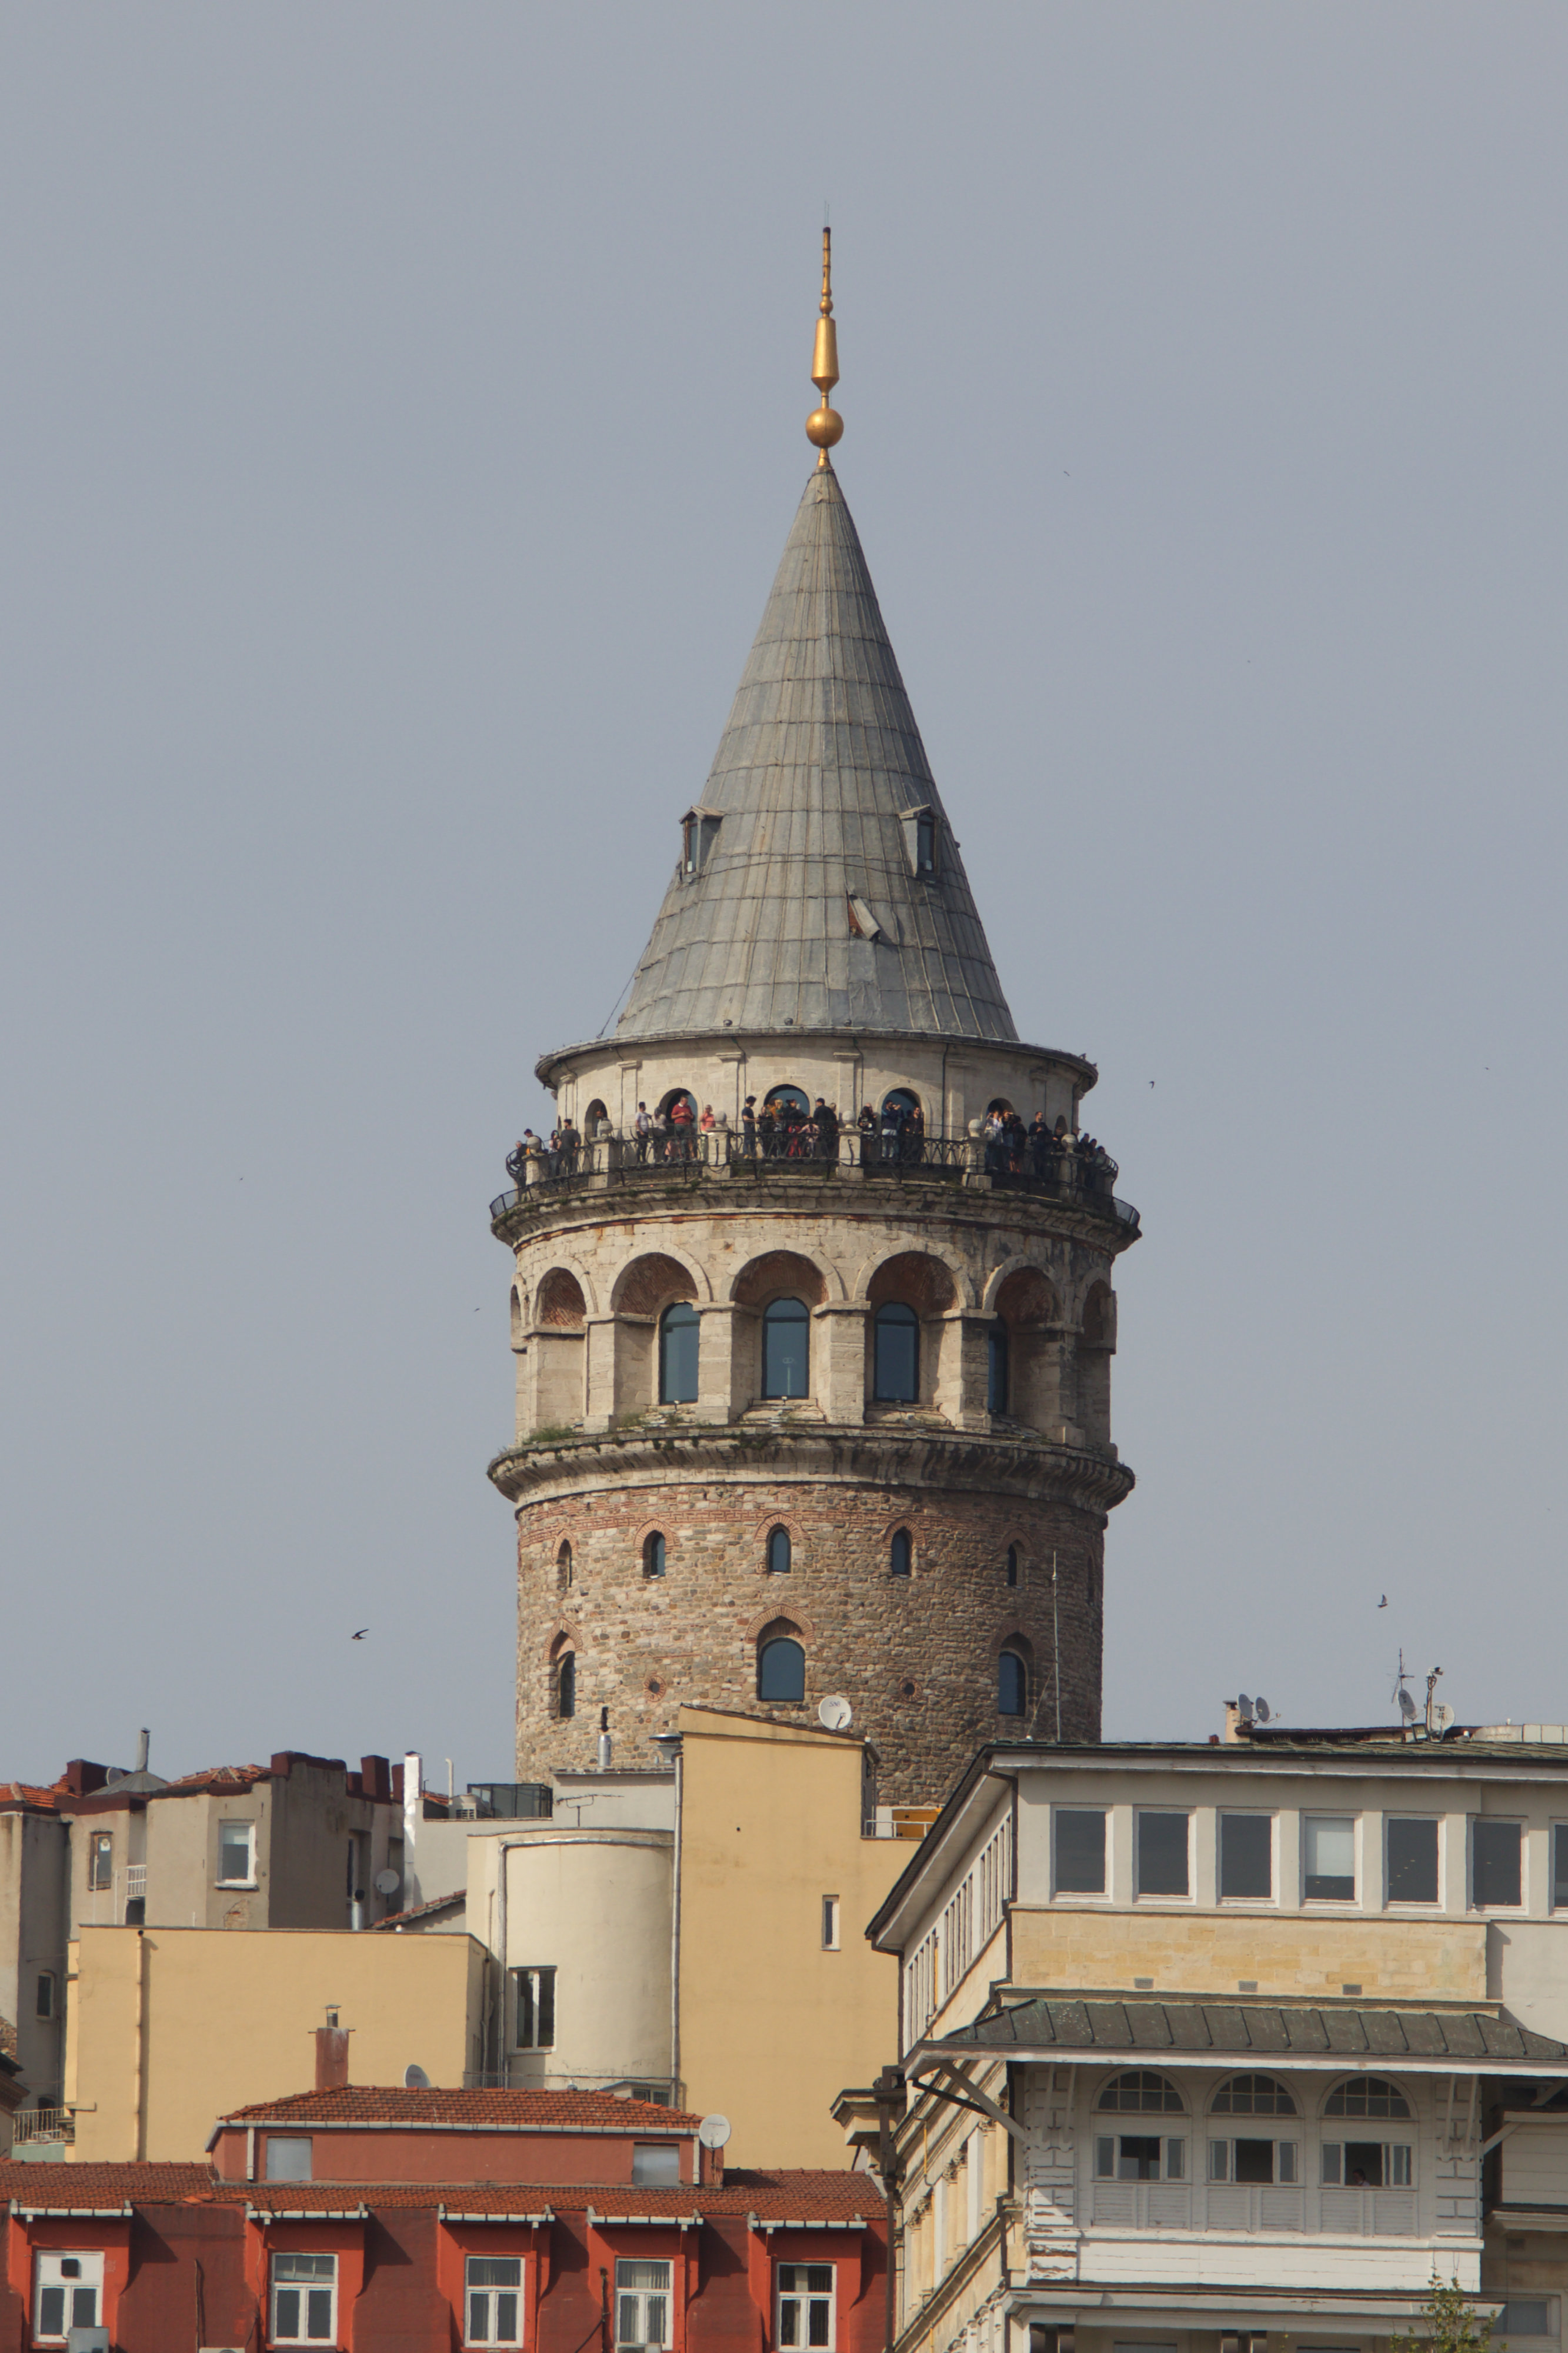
[(816, 776), (1253, 2030)]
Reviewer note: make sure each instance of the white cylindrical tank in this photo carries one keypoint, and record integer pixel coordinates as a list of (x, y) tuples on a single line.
[(593, 1907)]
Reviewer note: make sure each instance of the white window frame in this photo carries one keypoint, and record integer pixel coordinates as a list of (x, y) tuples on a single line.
[(1082, 1895), (1172, 2149), (1486, 1911), (533, 2006), (1223, 2149), (1555, 1830), (1253, 1814), (292, 2142), (47, 2260), (831, 1918), (1331, 2169), (639, 2297), (1405, 1904), (1154, 1895), (801, 2301), (304, 2288), (1358, 1863), (248, 1827), (489, 2290), (99, 1846)]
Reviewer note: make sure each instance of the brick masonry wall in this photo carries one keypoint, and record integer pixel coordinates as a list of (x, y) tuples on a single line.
[(915, 1656)]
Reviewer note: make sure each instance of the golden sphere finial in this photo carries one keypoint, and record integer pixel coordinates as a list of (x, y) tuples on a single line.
[(824, 425)]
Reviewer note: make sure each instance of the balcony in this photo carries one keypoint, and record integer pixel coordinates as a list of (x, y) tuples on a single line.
[(38, 2133), (1069, 1177)]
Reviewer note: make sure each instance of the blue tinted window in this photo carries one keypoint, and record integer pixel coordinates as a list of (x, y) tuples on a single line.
[(781, 1669), (1011, 1684), (778, 1551), (786, 1349), (897, 1348), (677, 1329), (899, 1560)]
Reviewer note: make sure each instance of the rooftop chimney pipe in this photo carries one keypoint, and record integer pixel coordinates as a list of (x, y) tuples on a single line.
[(143, 1743), (331, 2053)]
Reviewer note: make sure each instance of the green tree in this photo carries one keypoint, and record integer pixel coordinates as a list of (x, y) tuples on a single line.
[(1448, 2324)]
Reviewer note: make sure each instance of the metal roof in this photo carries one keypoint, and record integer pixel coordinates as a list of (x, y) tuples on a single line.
[(1196, 2031), (816, 782)]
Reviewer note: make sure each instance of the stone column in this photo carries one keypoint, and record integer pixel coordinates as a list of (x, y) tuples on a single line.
[(838, 1360)]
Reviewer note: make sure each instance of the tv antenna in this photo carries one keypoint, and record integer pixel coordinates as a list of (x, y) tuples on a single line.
[(1407, 1707)]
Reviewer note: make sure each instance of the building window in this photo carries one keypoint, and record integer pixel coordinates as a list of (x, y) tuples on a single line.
[(1496, 1873), (642, 2303), (1525, 2316), (304, 2299), (1139, 2157), (236, 1854), (536, 2010), (566, 1684), (563, 1569), (1253, 2095), (101, 1861), (1080, 1851), (781, 1669), (830, 1924), (1366, 2165), (653, 1555), (924, 843), (1413, 1862), (44, 2000), (1162, 1843), (996, 1369), (1254, 2161), (654, 2161), (1142, 2092), (66, 2293), (494, 2291), (900, 1557), (1366, 2096), (1011, 1684), (896, 1348), (1012, 1569), (778, 1551), (677, 1329), (786, 1349), (1246, 1856), (805, 2304), (1328, 1850), (288, 2156)]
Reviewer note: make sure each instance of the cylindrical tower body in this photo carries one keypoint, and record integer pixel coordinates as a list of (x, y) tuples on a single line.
[(812, 1304)]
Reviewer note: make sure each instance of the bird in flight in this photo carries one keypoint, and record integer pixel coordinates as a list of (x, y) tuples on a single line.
[(1382, 1605), (360, 1635)]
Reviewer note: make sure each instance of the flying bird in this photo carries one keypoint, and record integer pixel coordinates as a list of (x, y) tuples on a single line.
[(360, 1635), (1383, 1603)]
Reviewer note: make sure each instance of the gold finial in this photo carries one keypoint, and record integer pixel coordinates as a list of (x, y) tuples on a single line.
[(824, 425)]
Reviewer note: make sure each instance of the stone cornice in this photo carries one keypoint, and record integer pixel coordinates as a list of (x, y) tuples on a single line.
[(969, 1462)]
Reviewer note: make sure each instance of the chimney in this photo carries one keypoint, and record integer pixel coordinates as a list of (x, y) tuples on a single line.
[(143, 1744), (376, 1778), (412, 1773), (603, 1740), (331, 2053), (81, 1778)]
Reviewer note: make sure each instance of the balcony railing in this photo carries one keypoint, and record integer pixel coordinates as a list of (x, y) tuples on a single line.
[(43, 2123), (1040, 1167)]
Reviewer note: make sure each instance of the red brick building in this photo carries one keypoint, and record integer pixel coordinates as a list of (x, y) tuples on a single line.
[(402, 2221)]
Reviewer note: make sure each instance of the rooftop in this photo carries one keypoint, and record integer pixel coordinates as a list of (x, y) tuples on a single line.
[(1201, 2029), (500, 2111)]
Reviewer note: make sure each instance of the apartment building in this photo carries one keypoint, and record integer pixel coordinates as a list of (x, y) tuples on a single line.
[(1205, 2042)]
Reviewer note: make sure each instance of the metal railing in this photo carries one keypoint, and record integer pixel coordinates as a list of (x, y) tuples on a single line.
[(1038, 1166), (136, 1879), (43, 2123)]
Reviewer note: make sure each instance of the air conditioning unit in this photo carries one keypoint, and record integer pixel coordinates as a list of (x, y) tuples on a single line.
[(87, 2340)]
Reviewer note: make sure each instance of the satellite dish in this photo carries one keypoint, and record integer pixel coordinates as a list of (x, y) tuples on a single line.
[(1260, 1709), (835, 1711), (1244, 1707), (387, 1882), (1443, 1716), (714, 2131), (1407, 1707), (414, 2079)]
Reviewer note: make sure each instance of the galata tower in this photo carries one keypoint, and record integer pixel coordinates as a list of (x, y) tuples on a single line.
[(813, 1354)]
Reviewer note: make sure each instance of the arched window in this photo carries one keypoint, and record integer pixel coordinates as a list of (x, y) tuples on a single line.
[(998, 1104), (566, 1684), (900, 1558), (1012, 1571), (1366, 2096), (1139, 2093), (1253, 2095), (781, 1669), (653, 1555), (1011, 1684), (907, 1100), (563, 1569), (594, 1118), (778, 1551), (678, 1328), (896, 1345), (996, 1368), (786, 1349), (788, 1098)]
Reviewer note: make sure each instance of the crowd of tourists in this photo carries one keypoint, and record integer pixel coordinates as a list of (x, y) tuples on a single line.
[(786, 1127)]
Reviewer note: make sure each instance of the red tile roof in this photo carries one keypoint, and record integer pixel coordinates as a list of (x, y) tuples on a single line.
[(102, 2185), (391, 2103), (27, 1793), (420, 1911), (212, 1777)]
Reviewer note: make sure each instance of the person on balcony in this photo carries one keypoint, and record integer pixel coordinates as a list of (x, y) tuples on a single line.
[(826, 1120), (642, 1130), (682, 1128), (914, 1135), (707, 1122), (892, 1128), (749, 1127)]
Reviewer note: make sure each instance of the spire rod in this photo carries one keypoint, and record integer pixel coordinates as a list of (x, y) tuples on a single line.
[(824, 425)]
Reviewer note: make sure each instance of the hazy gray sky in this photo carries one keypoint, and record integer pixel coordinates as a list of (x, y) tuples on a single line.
[(402, 421)]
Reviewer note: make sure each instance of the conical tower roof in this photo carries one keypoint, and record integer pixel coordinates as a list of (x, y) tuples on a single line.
[(817, 787)]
